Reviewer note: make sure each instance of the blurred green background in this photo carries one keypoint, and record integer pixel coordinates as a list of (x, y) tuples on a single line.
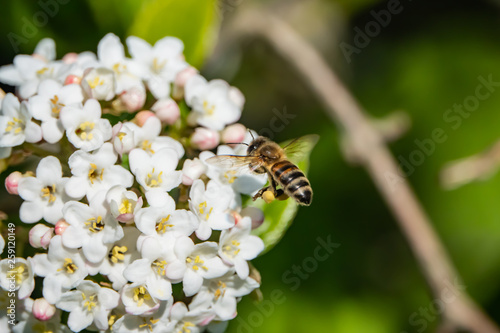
[(428, 58)]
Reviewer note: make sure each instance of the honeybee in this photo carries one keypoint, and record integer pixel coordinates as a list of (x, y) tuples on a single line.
[(266, 156)]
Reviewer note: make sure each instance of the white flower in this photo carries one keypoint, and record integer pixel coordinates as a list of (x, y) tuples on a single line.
[(15, 123), (162, 219), (211, 207), (91, 227), (195, 263), (154, 323), (182, 320), (111, 55), (88, 304), (236, 246), (44, 194), (160, 63), (138, 300), (99, 83), (123, 204), (18, 276), (84, 127), (96, 171), (62, 267), (156, 173), (147, 137), (2, 244), (221, 294), (28, 71), (121, 254), (153, 269), (211, 103), (46, 106)]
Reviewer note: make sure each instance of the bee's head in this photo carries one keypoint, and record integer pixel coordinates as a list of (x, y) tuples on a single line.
[(255, 144)]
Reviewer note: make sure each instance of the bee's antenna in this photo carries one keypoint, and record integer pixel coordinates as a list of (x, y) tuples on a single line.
[(237, 143), (253, 138)]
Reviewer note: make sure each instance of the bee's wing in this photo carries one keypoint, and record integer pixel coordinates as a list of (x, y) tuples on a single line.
[(240, 164), (298, 148)]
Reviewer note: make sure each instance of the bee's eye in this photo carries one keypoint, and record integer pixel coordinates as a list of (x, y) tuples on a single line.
[(252, 148)]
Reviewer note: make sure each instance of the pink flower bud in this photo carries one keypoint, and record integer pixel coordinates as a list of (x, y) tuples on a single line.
[(61, 226), (236, 96), (184, 75), (192, 170), (180, 81), (70, 58), (12, 181), (141, 117), (43, 310), (205, 139), (72, 79), (167, 110), (255, 214), (40, 236), (234, 133), (133, 99)]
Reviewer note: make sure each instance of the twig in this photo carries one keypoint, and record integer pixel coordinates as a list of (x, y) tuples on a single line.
[(373, 154), (473, 168)]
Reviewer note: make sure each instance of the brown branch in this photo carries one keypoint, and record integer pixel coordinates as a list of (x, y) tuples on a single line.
[(473, 168), (373, 154)]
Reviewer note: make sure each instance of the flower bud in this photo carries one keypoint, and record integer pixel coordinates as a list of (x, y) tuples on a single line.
[(184, 75), (180, 81), (12, 181), (61, 226), (167, 110), (192, 170), (133, 99), (123, 139), (72, 79), (43, 310), (205, 139), (141, 117), (234, 133), (40, 236), (70, 58), (236, 96), (255, 214)]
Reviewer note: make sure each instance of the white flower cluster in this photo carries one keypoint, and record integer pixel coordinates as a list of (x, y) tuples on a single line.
[(131, 229)]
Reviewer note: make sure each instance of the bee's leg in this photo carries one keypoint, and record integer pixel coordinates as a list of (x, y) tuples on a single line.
[(267, 188)]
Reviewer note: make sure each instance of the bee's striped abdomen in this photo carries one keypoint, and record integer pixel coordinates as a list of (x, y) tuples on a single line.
[(293, 181)]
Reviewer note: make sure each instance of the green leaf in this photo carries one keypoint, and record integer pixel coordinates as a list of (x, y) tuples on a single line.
[(279, 215), (115, 15), (195, 22)]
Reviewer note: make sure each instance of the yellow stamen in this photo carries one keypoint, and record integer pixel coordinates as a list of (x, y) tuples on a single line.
[(141, 295), (146, 145), (209, 109), (96, 82), (118, 254), (49, 192), (95, 174), (162, 226), (69, 266), (95, 224)]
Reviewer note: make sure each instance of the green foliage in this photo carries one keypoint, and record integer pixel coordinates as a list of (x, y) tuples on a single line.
[(194, 22), (279, 215)]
